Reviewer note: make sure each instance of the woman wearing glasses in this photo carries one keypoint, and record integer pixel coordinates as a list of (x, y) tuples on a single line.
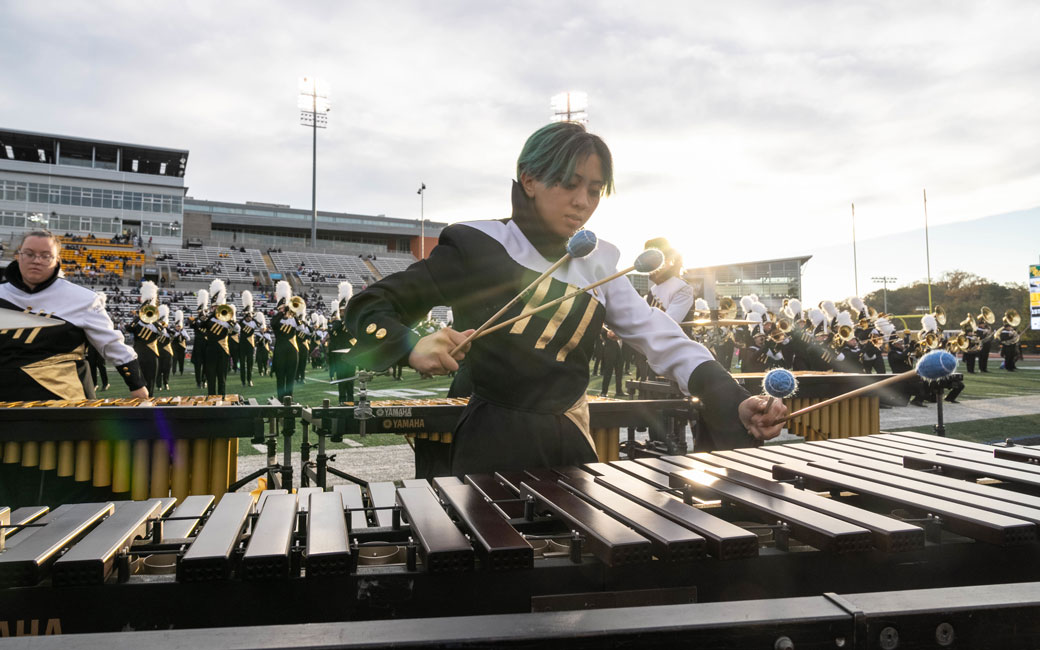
[(50, 362)]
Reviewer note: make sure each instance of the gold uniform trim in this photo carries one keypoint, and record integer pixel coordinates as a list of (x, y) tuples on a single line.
[(58, 374), (554, 324), (537, 299), (586, 318)]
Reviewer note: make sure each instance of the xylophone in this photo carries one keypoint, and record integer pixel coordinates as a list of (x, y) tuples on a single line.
[(435, 419), (894, 540), (126, 448)]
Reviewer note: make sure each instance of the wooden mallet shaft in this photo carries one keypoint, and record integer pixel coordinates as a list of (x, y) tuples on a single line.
[(553, 303), (560, 262), (853, 393)]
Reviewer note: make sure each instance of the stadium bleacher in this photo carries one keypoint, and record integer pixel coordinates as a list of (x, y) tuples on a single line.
[(324, 269), (210, 262)]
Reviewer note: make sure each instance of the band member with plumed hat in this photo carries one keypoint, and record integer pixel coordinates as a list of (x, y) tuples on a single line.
[(528, 408), (286, 350), (146, 334), (340, 338), (218, 329), (199, 336)]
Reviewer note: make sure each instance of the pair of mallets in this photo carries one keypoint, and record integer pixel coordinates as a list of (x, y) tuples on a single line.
[(781, 383), (581, 244)]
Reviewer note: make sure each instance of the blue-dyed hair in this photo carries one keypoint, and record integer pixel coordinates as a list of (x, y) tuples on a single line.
[(553, 151)]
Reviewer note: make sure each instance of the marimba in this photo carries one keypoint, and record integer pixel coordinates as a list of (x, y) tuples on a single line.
[(435, 419), (844, 543), (128, 448)]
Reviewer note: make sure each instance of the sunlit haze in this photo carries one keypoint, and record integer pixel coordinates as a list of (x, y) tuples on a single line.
[(740, 131)]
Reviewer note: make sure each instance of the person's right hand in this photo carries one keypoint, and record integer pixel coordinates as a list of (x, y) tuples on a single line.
[(430, 355)]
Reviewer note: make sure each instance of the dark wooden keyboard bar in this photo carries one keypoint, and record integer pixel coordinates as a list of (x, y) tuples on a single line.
[(671, 542), (18, 536), (610, 541), (888, 534), (380, 496), (814, 528), (642, 472), (498, 545), (723, 540), (91, 560), (982, 525), (186, 517), (328, 549), (442, 546), (353, 500), (498, 494), (960, 468), (267, 553), (27, 563), (898, 469), (209, 556)]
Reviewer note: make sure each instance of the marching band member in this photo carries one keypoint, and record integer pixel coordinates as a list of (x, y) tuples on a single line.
[(263, 345), (98, 371), (199, 336), (286, 349), (247, 339), (670, 292), (528, 408), (50, 362), (303, 344), (180, 342), (146, 335), (165, 345), (984, 331), (1008, 337), (218, 329), (340, 338)]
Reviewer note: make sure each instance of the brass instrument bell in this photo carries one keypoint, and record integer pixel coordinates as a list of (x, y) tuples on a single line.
[(1012, 318), (940, 315), (225, 313), (297, 305), (987, 315), (148, 313)]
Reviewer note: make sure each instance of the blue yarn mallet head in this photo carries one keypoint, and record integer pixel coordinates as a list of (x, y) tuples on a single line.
[(936, 365), (649, 261), (780, 383), (582, 243)]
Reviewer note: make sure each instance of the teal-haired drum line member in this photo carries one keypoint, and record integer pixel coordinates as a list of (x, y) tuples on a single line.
[(527, 408)]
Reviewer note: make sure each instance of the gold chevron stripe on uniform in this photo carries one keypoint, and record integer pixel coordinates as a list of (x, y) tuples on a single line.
[(537, 299), (554, 324), (586, 318)]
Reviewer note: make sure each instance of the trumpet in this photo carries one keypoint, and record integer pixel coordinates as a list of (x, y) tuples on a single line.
[(297, 305), (224, 313), (148, 313)]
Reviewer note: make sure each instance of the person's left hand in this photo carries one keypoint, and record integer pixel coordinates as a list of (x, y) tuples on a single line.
[(762, 423), (140, 393)]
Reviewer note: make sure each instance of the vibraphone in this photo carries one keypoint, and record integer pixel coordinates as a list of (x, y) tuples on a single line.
[(894, 541), (435, 419), (129, 448)]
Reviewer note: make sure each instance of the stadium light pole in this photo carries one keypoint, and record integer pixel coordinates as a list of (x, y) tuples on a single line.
[(570, 106), (422, 220), (314, 107), (927, 251), (884, 279), (855, 261)]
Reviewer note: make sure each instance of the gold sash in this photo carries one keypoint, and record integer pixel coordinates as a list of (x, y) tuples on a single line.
[(58, 374), (578, 413)]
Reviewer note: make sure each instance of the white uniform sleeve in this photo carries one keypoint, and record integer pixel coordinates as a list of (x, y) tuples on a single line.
[(102, 335), (650, 331), (682, 301)]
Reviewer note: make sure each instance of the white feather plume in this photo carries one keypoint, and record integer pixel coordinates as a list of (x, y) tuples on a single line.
[(700, 304), (795, 305), (202, 299), (178, 317), (261, 320), (247, 300), (816, 316), (164, 313), (828, 308), (282, 291), (929, 324), (218, 291), (857, 303), (759, 308), (845, 318), (149, 291), (745, 303), (345, 290)]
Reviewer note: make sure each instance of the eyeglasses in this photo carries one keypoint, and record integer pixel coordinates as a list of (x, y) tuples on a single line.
[(43, 257)]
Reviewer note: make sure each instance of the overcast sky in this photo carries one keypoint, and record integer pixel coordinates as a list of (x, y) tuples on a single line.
[(741, 130)]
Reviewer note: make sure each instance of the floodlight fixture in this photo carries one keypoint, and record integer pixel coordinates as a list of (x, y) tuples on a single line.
[(570, 106)]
